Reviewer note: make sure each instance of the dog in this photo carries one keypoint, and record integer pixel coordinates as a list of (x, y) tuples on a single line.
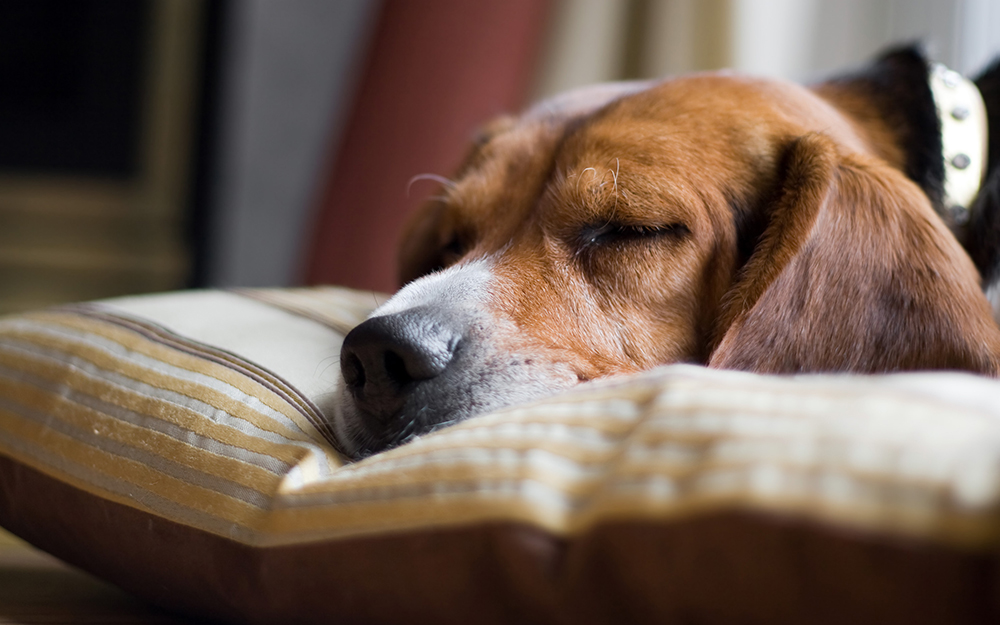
[(713, 218)]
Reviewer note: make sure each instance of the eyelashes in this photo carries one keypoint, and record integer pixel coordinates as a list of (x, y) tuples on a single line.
[(616, 234), (446, 255), (453, 250), (589, 240)]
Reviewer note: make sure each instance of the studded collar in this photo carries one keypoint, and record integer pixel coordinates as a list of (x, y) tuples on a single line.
[(964, 135)]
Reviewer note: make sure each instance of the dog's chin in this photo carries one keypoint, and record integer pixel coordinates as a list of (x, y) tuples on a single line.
[(360, 434), (354, 439), (432, 408)]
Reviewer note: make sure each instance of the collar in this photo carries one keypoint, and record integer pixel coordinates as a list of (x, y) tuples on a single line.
[(964, 135)]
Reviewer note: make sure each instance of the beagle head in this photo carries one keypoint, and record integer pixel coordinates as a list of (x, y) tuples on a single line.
[(715, 219)]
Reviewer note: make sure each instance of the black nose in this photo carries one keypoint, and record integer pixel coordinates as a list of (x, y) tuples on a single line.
[(384, 357)]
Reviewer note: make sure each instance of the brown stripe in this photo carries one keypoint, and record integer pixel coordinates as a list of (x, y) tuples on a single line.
[(325, 305)]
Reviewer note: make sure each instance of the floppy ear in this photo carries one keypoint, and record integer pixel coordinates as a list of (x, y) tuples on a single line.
[(854, 272)]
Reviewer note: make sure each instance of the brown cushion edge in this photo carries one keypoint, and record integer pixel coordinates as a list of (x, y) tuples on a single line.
[(722, 568)]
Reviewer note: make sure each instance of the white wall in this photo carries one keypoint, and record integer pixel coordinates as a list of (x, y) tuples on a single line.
[(977, 40), (796, 39), (290, 68), (801, 39)]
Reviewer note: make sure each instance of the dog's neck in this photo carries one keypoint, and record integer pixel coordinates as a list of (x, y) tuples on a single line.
[(964, 139)]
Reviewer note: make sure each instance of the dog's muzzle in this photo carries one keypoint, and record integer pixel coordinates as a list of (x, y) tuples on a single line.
[(433, 355)]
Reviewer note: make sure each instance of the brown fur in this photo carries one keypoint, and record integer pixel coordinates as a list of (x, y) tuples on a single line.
[(786, 237)]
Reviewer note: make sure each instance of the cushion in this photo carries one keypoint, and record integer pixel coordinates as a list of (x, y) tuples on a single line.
[(178, 445)]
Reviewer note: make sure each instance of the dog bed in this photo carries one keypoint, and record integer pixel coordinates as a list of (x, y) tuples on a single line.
[(177, 445)]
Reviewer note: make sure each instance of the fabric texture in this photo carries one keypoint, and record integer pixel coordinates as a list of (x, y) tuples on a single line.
[(178, 445)]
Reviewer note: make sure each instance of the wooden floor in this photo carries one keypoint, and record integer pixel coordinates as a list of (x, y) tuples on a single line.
[(35, 588)]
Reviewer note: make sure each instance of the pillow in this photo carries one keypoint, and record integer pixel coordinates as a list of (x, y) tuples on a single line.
[(177, 445)]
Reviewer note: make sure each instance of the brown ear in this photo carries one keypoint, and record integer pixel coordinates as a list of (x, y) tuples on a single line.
[(854, 272)]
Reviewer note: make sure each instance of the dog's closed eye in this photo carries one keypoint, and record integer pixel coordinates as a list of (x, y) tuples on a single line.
[(613, 234), (451, 251)]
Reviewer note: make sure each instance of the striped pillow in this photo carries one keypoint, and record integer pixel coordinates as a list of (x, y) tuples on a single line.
[(177, 445)]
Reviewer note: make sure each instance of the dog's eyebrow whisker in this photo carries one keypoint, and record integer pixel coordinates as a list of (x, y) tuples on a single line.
[(580, 178), (614, 176), (447, 182)]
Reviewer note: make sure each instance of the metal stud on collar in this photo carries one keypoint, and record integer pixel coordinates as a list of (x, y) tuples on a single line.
[(963, 137)]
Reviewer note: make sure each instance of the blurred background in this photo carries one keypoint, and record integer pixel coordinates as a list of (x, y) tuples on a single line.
[(148, 145)]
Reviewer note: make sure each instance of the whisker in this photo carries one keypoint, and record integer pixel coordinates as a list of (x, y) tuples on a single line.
[(615, 175), (334, 362), (443, 424), (449, 184), (578, 180)]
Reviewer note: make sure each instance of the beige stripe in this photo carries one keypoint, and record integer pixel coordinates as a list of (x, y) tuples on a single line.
[(96, 429), (97, 355), (86, 479), (248, 449), (77, 379), (171, 357), (302, 352), (530, 503), (122, 470), (229, 360), (103, 439), (911, 508), (573, 480), (156, 351)]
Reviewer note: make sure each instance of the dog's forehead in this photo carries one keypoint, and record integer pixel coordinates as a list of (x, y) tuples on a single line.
[(504, 176), (711, 113), (716, 130), (515, 145)]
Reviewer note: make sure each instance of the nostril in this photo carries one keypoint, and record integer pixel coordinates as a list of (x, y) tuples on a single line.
[(353, 370), (395, 368)]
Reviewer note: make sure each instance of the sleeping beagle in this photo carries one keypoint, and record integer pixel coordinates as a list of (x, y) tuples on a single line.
[(735, 222)]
